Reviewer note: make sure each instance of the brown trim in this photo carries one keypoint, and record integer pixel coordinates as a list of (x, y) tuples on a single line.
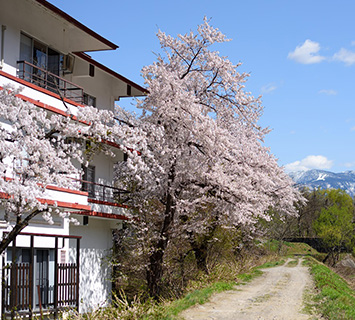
[(87, 58), (81, 193), (91, 213), (111, 143), (4, 195), (76, 23), (116, 145), (61, 112), (61, 204), (33, 86), (106, 203), (46, 235)]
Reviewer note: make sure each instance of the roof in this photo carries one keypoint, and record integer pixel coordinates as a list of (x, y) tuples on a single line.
[(76, 23)]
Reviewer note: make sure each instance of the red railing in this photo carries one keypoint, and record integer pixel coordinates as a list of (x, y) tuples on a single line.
[(50, 81)]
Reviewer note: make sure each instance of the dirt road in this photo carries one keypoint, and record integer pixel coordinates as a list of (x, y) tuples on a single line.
[(276, 295)]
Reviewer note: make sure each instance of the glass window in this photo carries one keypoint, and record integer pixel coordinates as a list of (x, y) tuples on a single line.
[(40, 55), (89, 100), (89, 180), (25, 48)]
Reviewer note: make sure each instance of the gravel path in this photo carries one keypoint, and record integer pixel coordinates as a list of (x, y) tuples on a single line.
[(276, 295)]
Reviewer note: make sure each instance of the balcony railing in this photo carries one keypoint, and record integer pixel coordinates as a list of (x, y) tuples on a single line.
[(50, 81), (104, 193)]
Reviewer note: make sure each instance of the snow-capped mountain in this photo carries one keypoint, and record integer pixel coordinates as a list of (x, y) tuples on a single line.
[(325, 180)]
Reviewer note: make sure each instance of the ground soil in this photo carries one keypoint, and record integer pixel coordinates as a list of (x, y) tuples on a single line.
[(278, 295)]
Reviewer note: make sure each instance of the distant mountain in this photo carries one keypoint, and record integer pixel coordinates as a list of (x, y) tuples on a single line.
[(314, 179)]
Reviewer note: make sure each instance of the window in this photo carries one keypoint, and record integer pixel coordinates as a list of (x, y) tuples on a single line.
[(38, 62), (89, 181), (89, 100), (40, 55)]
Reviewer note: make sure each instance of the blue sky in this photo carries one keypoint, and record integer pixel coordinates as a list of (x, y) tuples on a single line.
[(300, 56)]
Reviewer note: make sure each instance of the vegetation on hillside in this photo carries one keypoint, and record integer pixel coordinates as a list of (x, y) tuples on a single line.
[(334, 298), (328, 216)]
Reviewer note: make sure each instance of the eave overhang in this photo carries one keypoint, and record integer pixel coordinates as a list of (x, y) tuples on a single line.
[(52, 26)]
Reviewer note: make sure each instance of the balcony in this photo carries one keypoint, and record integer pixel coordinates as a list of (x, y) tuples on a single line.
[(50, 81), (104, 193)]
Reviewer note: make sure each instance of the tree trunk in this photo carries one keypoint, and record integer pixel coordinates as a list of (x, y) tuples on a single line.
[(201, 257), (154, 273), (155, 268), (20, 225)]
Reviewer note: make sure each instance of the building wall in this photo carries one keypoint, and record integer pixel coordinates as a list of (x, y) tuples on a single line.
[(96, 242), (103, 86), (95, 272)]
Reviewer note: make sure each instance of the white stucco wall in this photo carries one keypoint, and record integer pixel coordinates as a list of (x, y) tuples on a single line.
[(95, 272)]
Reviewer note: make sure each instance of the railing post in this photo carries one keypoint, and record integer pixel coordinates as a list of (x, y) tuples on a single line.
[(77, 271), (13, 283), (55, 293), (32, 254), (4, 292)]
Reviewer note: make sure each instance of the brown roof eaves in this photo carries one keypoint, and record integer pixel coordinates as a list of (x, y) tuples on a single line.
[(75, 22)]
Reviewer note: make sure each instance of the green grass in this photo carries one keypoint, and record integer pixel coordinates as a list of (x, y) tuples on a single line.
[(196, 297), (292, 263), (255, 272), (289, 248), (334, 300)]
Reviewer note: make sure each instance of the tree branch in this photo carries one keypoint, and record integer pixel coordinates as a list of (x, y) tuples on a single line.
[(17, 229)]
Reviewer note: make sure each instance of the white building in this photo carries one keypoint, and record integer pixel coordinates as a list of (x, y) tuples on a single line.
[(42, 50)]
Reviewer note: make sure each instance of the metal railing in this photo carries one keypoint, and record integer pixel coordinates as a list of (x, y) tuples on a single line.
[(102, 192), (50, 81)]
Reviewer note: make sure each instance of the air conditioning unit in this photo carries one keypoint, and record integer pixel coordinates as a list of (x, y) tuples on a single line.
[(68, 63)]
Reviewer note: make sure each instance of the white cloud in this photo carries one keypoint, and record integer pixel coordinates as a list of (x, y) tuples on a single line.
[(307, 53), (353, 43), (349, 164), (270, 87), (310, 162), (328, 92), (346, 56)]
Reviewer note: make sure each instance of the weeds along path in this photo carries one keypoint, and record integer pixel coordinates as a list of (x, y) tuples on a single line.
[(276, 295)]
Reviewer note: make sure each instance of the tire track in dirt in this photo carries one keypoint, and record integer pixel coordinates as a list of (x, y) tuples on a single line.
[(276, 295)]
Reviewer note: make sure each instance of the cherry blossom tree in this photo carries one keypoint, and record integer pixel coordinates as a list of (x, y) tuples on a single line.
[(204, 155), (38, 149)]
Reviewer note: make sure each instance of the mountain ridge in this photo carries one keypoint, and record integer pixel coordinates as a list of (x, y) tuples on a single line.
[(323, 179)]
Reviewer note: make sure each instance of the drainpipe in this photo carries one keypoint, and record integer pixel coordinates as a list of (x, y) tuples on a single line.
[(3, 28)]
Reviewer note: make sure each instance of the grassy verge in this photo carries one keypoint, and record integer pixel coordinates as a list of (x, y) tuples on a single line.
[(334, 300), (196, 297)]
